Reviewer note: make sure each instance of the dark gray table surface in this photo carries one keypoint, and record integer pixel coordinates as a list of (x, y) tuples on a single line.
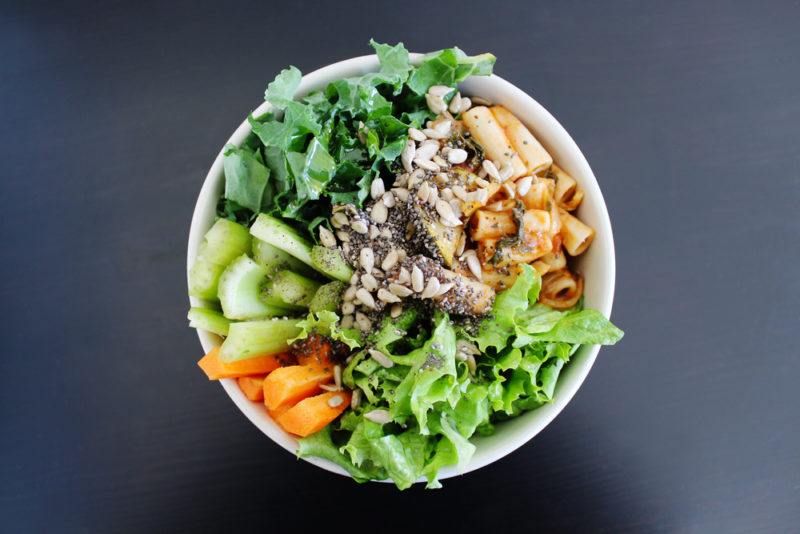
[(111, 114)]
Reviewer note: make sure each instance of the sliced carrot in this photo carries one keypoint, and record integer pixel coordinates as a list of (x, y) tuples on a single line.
[(279, 412), (252, 387), (312, 414), (216, 369), (287, 385), (314, 350)]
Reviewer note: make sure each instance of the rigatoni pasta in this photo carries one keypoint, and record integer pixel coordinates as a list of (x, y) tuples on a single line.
[(534, 220)]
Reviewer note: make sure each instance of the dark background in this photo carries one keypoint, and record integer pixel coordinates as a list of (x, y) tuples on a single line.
[(110, 116)]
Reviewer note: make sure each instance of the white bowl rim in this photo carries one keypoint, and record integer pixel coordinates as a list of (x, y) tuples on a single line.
[(207, 201)]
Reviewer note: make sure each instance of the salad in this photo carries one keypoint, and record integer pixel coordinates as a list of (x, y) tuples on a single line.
[(390, 272)]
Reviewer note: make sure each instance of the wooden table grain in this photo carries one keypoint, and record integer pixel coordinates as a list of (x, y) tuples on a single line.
[(111, 114)]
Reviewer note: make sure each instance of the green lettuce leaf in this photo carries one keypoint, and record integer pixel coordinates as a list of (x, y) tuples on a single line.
[(326, 323), (321, 445), (282, 89), (246, 178), (448, 67), (585, 327)]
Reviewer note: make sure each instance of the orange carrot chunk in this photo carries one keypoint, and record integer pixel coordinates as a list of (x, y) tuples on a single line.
[(314, 350), (312, 414), (252, 387), (216, 369), (287, 385)]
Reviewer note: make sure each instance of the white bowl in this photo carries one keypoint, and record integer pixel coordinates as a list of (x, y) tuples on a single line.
[(597, 264)]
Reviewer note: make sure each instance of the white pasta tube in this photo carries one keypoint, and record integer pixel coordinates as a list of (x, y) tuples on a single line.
[(567, 193), (555, 261), (532, 152), (487, 132), (576, 235), (540, 194), (561, 289)]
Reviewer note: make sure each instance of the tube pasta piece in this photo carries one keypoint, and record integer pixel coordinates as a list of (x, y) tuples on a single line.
[(567, 193), (541, 266), (488, 224), (535, 241), (500, 278), (540, 195), (486, 249), (487, 132), (555, 261), (576, 235), (532, 152), (561, 289)]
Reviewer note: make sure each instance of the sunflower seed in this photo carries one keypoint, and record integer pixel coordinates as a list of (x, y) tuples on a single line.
[(455, 104), (506, 172), (335, 401), (415, 177), (379, 213), (339, 220), (433, 134), (343, 236), (466, 347), (333, 387), (378, 416), (401, 180), (359, 226), (441, 179), (417, 280), (349, 294), (457, 155), (377, 188), (387, 296), (510, 190), (444, 127), (381, 358), (367, 259), (365, 298), (426, 164), (524, 185), (355, 399), (460, 356), (354, 279), (401, 254), (491, 169), (480, 182), (466, 103), (426, 150), (435, 103), (348, 307), (407, 156), (433, 196), (326, 237), (478, 101), (466, 254), (416, 135), (456, 205), (404, 277), (445, 211), (390, 260), (401, 193), (462, 242), (363, 322), (439, 90), (431, 289), (347, 321), (459, 192), (374, 232), (337, 375), (400, 291), (424, 192), (437, 159), (475, 267), (388, 199), (444, 288), (369, 282), (471, 365), (386, 233), (396, 310), (447, 194)]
